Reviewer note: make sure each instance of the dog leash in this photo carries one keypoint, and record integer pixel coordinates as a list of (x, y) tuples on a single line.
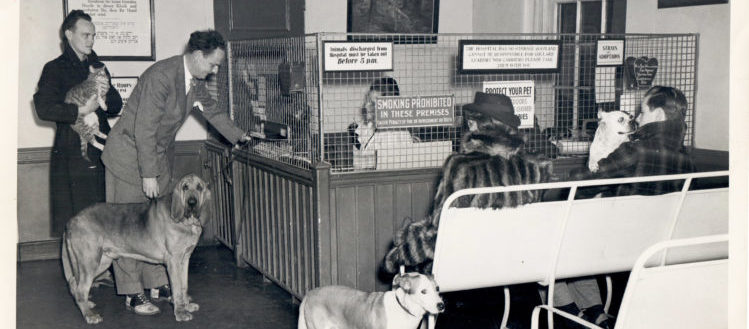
[(226, 171)]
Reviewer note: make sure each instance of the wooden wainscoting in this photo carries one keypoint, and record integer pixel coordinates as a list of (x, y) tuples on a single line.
[(34, 241)]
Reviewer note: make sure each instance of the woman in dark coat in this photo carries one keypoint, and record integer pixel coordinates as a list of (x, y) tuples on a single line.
[(75, 183)]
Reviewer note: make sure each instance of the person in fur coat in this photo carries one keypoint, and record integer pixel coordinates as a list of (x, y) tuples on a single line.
[(490, 155)]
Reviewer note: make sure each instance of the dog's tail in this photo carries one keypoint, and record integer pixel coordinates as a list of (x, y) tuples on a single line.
[(69, 263), (413, 245)]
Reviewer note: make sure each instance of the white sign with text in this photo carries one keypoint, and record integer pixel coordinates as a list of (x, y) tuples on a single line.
[(522, 93), (543, 56), (358, 56), (610, 52)]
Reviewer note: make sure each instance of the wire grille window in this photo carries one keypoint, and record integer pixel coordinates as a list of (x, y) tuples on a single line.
[(280, 82)]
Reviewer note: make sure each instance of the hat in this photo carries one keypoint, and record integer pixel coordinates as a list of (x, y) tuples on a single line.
[(496, 106)]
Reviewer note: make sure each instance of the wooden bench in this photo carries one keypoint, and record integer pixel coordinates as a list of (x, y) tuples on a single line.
[(546, 241)]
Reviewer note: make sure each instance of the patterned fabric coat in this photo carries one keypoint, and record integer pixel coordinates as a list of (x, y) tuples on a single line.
[(655, 149)]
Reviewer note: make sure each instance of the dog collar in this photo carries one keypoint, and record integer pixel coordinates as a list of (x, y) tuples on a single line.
[(403, 306)]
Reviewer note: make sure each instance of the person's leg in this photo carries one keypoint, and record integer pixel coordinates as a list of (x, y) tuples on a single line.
[(128, 273), (562, 295), (587, 295), (87, 182), (585, 291), (59, 190), (154, 275)]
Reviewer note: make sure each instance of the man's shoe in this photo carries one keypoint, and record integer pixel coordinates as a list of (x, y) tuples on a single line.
[(163, 293), (140, 304)]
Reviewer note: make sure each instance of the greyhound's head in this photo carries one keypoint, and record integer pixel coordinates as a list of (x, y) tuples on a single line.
[(418, 293)]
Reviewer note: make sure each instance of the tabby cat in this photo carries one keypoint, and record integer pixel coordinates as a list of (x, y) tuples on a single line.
[(489, 157), (87, 126)]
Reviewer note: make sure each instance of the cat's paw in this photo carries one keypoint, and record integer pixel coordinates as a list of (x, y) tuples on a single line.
[(91, 120)]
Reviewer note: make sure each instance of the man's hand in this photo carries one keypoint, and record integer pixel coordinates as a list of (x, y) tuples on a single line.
[(91, 105), (151, 187), (91, 120)]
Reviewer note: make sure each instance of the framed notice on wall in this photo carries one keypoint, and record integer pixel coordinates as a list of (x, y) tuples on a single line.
[(508, 56), (124, 28)]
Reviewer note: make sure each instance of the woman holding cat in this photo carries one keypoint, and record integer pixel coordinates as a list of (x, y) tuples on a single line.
[(75, 183)]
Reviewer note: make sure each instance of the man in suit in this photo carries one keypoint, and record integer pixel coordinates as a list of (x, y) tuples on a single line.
[(139, 157)]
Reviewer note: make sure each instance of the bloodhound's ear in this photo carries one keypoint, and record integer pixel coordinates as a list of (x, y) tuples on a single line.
[(178, 205), (205, 205)]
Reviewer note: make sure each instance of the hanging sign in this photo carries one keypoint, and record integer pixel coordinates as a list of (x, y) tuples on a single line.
[(341, 56), (414, 111), (609, 52), (522, 94), (517, 56)]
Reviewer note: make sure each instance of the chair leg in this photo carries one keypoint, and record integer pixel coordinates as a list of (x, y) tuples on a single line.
[(506, 314), (609, 292)]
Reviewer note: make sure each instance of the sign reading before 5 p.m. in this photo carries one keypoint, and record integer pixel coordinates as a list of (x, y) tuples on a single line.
[(501, 55), (358, 56)]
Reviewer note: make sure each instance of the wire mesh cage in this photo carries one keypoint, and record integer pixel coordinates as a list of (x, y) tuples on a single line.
[(305, 110)]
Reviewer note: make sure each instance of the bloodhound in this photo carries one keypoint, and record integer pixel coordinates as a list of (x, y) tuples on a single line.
[(163, 231)]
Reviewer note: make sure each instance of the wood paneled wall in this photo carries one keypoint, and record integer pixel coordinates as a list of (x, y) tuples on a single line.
[(365, 212), (34, 212)]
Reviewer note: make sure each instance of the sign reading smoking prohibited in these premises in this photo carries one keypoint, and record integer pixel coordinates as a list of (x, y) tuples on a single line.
[(357, 56), (522, 94), (414, 111)]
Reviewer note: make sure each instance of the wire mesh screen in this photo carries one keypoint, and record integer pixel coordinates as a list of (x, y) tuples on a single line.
[(336, 116), (272, 91)]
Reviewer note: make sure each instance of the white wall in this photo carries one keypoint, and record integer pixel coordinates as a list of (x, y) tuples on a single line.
[(39, 25), (712, 23), (498, 16)]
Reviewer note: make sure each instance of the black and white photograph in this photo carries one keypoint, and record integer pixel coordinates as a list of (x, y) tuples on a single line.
[(375, 164)]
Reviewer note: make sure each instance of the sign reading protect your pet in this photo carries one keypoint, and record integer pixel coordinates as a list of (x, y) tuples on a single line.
[(522, 93), (414, 111), (357, 56), (485, 56)]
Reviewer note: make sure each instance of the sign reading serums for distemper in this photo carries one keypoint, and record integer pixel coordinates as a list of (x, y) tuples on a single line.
[(414, 111), (357, 56)]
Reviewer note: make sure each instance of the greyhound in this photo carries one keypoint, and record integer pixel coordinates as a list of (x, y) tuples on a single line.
[(412, 296)]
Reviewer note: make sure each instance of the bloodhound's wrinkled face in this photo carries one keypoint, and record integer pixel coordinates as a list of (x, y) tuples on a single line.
[(190, 199)]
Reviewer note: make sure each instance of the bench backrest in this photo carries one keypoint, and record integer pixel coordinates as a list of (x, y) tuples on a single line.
[(540, 242), (691, 294)]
